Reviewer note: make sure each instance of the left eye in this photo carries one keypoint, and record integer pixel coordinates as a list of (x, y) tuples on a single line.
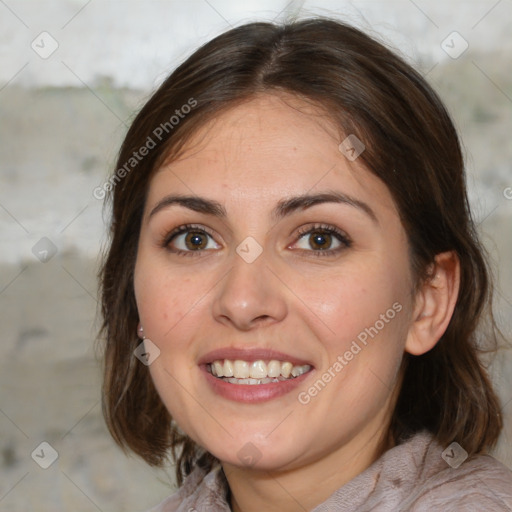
[(321, 240), (193, 240)]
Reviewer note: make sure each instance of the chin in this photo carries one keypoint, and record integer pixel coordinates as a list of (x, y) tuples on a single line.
[(249, 455)]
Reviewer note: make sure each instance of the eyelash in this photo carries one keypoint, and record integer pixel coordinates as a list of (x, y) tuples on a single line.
[(323, 228), (327, 230), (179, 231)]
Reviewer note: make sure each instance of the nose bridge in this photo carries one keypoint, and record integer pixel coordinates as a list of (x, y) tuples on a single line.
[(249, 294)]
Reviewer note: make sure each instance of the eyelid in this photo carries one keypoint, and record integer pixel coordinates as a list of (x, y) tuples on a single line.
[(184, 228), (301, 232), (340, 235), (308, 228)]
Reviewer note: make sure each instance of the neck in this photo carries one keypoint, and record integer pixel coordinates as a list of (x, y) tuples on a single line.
[(285, 490)]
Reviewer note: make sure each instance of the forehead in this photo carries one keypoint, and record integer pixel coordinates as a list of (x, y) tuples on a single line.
[(265, 149)]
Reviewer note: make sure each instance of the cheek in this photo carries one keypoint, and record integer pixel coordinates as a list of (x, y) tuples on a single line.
[(350, 301), (365, 312), (163, 299)]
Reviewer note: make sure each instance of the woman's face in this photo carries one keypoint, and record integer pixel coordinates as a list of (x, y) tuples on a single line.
[(265, 248)]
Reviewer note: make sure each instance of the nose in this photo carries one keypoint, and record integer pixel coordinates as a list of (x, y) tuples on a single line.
[(249, 296)]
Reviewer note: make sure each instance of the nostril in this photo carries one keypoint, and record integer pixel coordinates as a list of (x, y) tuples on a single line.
[(262, 318)]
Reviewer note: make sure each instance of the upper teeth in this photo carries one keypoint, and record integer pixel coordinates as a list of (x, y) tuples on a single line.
[(256, 369)]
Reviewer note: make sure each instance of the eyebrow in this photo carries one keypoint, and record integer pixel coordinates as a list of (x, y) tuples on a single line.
[(284, 207)]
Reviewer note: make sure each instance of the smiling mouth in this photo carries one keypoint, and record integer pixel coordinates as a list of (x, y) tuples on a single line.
[(256, 372)]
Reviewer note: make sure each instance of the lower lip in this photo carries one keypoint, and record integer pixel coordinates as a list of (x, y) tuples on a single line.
[(253, 393)]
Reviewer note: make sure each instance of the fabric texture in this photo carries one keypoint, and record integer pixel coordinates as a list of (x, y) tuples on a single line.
[(410, 477)]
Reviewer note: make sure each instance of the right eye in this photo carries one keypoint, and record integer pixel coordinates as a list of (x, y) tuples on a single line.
[(189, 239)]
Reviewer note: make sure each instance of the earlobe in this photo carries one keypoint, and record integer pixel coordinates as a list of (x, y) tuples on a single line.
[(434, 304)]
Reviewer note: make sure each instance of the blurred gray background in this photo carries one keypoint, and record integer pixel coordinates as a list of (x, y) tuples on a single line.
[(72, 74)]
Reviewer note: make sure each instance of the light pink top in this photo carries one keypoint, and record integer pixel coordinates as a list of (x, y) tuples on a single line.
[(412, 476)]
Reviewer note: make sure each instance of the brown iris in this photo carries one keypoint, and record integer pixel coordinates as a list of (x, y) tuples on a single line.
[(320, 240), (196, 240)]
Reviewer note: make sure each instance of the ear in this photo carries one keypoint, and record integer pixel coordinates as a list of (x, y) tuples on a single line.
[(434, 304)]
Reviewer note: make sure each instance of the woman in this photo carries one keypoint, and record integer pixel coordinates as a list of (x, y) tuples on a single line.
[(291, 239)]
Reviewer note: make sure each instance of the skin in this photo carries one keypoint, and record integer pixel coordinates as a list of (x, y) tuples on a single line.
[(294, 298)]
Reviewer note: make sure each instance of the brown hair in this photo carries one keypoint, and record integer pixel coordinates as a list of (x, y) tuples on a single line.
[(411, 145)]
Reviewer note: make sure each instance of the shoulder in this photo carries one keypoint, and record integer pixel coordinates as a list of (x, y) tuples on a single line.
[(200, 491), (419, 475), (479, 483)]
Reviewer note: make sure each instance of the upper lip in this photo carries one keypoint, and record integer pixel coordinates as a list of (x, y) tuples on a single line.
[(249, 355)]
